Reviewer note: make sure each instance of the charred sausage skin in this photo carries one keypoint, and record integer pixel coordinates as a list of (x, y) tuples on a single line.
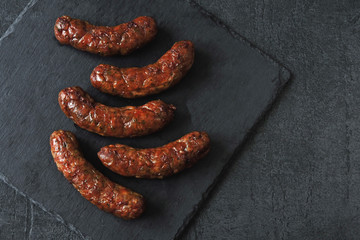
[(156, 162), (112, 121), (121, 39), (154, 78), (92, 184)]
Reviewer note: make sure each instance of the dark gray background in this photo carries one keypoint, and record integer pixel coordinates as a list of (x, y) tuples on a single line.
[(297, 176)]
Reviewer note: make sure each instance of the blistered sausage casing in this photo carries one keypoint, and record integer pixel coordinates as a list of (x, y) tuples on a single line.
[(92, 184), (119, 122), (143, 81), (156, 162), (121, 39)]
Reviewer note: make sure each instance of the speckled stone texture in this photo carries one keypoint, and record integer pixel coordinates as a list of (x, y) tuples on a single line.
[(298, 177), (9, 10)]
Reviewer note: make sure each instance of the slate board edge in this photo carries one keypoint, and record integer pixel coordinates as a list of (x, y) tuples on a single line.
[(235, 34), (3, 178), (58, 218), (284, 77)]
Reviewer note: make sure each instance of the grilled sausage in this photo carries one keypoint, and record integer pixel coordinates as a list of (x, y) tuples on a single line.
[(156, 162), (121, 39), (154, 78), (111, 121), (91, 184)]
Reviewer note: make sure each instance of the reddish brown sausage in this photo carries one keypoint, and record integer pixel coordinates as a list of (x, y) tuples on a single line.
[(91, 184), (121, 39), (111, 121), (154, 78), (156, 162)]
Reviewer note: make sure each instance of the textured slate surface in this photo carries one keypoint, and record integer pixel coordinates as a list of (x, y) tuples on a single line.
[(220, 95), (23, 218), (9, 10), (299, 177), (311, 39)]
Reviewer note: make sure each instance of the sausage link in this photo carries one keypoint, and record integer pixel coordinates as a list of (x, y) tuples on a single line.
[(92, 184), (156, 162), (111, 121), (154, 78), (121, 39)]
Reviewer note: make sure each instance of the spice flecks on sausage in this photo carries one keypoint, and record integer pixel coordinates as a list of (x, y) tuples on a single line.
[(151, 79), (92, 184), (121, 39), (156, 162), (120, 122)]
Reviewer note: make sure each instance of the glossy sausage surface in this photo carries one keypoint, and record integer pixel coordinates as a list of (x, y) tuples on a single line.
[(151, 79), (119, 122), (92, 184), (121, 39), (156, 162)]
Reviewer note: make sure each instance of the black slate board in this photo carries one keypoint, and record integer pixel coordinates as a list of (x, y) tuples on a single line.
[(225, 93)]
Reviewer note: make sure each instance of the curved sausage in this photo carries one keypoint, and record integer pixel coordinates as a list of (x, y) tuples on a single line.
[(154, 78), (112, 121), (121, 39), (91, 184), (156, 162)]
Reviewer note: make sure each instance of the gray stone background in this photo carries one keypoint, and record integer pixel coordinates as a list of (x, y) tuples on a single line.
[(298, 175)]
